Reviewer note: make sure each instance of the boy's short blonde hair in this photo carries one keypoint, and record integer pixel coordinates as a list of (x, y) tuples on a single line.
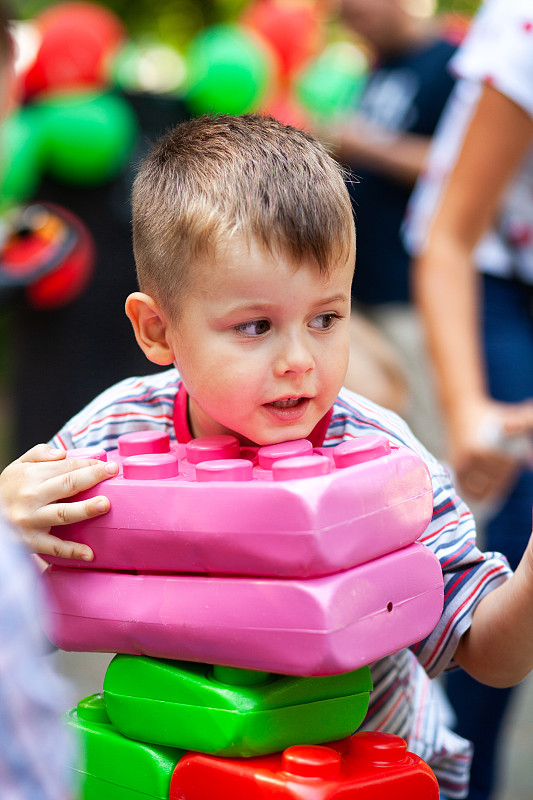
[(214, 179)]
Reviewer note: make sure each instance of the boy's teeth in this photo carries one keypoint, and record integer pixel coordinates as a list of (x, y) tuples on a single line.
[(286, 403)]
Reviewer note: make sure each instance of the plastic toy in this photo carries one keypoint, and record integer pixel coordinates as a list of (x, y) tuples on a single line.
[(230, 712), (317, 626), (368, 766), (114, 767), (284, 510)]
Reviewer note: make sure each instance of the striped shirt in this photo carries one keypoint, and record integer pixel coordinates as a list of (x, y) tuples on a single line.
[(404, 700)]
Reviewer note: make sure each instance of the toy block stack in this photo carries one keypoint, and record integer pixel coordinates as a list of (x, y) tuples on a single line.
[(245, 591)]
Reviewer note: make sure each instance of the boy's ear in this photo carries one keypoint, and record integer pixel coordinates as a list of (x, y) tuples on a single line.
[(150, 327)]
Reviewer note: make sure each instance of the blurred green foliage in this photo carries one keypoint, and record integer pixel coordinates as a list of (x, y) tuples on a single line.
[(468, 7), (177, 21)]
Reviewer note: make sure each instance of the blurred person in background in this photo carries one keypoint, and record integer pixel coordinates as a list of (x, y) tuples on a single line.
[(385, 142), (35, 748), (471, 221)]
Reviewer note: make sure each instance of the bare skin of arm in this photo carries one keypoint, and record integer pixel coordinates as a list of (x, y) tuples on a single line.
[(447, 291), (498, 647)]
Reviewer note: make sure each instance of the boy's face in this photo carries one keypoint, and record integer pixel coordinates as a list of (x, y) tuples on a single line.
[(262, 345)]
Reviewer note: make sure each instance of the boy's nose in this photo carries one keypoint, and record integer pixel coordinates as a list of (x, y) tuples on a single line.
[(294, 356)]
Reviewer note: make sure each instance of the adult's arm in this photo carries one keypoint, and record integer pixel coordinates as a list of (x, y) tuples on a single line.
[(362, 144), (495, 143)]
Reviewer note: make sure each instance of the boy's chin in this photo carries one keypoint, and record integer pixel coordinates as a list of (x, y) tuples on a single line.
[(280, 436)]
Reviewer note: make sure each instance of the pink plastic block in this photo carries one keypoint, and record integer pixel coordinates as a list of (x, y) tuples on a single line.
[(143, 442), (368, 766), (317, 626), (287, 511)]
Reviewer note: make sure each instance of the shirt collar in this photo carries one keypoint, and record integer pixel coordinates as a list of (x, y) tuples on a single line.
[(183, 433)]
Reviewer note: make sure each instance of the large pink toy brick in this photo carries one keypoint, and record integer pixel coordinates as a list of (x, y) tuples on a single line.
[(283, 510), (315, 626), (369, 766)]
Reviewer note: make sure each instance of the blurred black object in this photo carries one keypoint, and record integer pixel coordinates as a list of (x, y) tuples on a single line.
[(47, 253)]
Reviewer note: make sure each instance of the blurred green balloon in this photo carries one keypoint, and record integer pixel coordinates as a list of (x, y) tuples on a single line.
[(330, 87), (89, 138), (227, 72), (21, 156)]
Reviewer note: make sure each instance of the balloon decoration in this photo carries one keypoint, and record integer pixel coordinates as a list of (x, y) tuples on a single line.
[(293, 28), (78, 40), (332, 84), (75, 128), (88, 139), (149, 66), (284, 107), (71, 125), (228, 71), (21, 149)]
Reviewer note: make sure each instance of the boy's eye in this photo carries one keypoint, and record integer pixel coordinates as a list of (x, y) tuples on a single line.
[(324, 321), (254, 328)]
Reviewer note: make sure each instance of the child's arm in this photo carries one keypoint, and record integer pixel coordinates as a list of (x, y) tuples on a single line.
[(31, 491), (498, 647)]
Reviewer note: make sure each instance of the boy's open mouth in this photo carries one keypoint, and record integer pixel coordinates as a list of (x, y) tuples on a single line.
[(288, 409), (289, 402)]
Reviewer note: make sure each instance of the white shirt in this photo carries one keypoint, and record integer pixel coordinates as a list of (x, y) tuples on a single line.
[(497, 50)]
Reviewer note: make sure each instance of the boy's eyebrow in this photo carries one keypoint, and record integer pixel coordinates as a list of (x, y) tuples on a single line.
[(336, 298), (257, 305)]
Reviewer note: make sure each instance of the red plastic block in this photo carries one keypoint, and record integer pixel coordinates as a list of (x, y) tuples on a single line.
[(368, 766)]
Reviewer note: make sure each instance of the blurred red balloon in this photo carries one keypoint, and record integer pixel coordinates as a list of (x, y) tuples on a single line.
[(285, 108), (293, 28), (78, 40)]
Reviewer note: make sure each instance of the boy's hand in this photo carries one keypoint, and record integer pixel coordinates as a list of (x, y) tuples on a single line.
[(31, 491)]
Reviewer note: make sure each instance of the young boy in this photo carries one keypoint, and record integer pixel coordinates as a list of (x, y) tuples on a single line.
[(245, 247)]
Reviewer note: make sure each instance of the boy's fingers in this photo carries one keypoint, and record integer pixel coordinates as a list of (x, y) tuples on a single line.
[(82, 476), (67, 513), (46, 544), (43, 452)]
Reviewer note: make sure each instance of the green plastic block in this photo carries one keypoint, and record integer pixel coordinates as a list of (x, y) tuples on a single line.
[(231, 712), (114, 767)]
